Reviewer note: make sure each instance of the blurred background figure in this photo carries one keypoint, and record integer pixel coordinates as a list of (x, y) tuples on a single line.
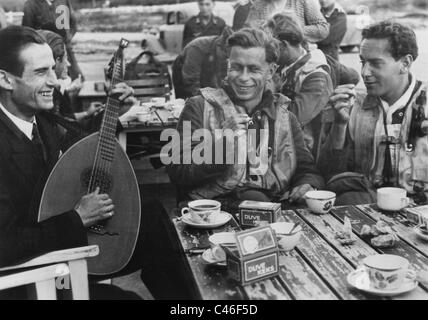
[(203, 24), (336, 17), (203, 63), (3, 20), (308, 12), (242, 10), (62, 102), (44, 15)]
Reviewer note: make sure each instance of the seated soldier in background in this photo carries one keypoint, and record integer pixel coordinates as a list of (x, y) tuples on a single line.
[(336, 17), (204, 24), (305, 76), (259, 151), (203, 63), (379, 138)]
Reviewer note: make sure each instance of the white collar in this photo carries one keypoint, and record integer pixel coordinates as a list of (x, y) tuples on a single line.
[(25, 126), (401, 102)]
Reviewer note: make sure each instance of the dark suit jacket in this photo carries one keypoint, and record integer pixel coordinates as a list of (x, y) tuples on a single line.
[(22, 177)]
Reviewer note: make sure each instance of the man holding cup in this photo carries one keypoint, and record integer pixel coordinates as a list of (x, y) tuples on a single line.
[(380, 135), (253, 147)]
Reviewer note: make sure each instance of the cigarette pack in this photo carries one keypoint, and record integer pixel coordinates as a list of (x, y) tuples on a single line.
[(254, 213), (256, 256), (418, 214)]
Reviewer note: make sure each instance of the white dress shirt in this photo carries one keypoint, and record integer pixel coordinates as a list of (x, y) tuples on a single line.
[(25, 126)]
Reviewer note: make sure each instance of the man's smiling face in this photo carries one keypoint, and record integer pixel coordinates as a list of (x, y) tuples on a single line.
[(380, 71), (248, 73), (33, 91)]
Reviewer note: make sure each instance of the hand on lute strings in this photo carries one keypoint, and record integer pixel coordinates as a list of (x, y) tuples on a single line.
[(94, 207)]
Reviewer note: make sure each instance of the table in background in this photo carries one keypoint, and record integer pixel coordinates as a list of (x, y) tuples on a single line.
[(317, 268), (138, 127), (88, 94)]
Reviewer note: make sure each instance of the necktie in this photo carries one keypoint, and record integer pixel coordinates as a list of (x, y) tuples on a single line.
[(37, 141)]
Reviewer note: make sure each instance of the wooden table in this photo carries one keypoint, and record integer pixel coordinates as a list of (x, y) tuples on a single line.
[(88, 94), (317, 268), (138, 127)]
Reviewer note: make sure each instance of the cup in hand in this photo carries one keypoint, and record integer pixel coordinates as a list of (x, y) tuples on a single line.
[(387, 271), (200, 209), (392, 199)]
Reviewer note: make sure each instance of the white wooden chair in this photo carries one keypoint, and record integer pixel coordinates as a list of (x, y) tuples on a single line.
[(45, 269)]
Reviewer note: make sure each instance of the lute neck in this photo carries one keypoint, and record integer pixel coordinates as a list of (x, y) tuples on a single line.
[(107, 134)]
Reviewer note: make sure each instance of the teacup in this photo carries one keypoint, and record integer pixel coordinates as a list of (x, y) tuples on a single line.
[(201, 209), (144, 116), (224, 238), (286, 240), (319, 201), (158, 101), (392, 199), (387, 271)]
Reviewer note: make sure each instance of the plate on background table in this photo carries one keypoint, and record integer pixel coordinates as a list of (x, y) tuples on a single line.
[(360, 279), (216, 220)]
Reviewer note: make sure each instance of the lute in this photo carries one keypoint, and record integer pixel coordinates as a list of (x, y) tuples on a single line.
[(98, 161)]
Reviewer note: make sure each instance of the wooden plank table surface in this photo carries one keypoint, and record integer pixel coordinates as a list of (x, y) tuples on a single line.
[(318, 267)]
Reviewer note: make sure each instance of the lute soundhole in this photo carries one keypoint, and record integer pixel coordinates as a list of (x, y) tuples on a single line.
[(100, 179)]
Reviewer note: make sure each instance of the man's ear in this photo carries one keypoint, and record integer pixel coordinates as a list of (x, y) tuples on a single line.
[(406, 63), (5, 81), (272, 70)]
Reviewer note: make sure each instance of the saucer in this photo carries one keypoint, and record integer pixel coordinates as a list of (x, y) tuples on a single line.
[(208, 258), (360, 279), (220, 218), (420, 233)]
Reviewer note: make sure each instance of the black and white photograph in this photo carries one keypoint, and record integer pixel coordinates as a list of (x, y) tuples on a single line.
[(213, 155)]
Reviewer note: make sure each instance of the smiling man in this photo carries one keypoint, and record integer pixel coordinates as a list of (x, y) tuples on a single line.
[(382, 139), (270, 159), (30, 144)]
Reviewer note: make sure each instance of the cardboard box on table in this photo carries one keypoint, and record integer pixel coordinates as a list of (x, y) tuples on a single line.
[(256, 256), (252, 213)]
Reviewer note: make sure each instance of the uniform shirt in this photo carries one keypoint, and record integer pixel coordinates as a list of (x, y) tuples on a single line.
[(195, 28)]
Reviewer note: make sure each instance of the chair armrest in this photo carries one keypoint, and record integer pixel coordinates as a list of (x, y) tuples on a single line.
[(34, 276), (57, 257)]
